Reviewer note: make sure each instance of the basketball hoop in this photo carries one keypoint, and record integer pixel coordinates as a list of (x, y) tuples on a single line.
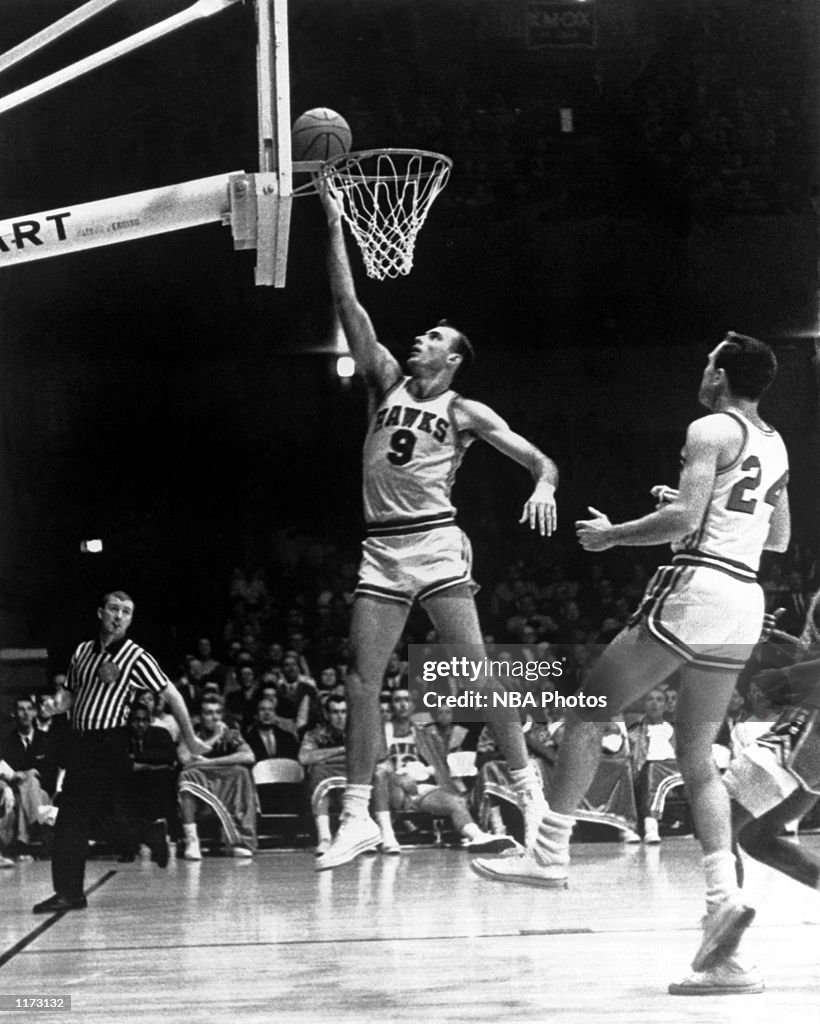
[(385, 196)]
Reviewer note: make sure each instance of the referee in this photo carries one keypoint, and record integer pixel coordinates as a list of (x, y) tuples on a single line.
[(103, 679)]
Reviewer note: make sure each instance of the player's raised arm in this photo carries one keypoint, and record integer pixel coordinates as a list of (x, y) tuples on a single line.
[(705, 441), (379, 368), (539, 509)]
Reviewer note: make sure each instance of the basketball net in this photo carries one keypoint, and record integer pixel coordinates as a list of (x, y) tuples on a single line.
[(385, 196)]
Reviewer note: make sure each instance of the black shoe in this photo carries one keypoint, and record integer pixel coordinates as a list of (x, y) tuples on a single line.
[(156, 839), (57, 904)]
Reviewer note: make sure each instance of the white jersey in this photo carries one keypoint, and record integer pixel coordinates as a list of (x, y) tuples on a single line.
[(735, 525), (411, 454)]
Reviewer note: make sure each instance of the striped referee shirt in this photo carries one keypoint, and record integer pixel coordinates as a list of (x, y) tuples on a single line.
[(104, 681)]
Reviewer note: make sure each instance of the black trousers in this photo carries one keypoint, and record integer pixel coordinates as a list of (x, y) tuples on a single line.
[(93, 802)]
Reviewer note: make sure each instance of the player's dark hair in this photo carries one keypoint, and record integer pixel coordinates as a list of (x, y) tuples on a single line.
[(461, 345), (119, 594), (335, 698), (750, 365)]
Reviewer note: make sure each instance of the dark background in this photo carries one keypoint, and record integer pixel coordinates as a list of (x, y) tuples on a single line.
[(152, 396)]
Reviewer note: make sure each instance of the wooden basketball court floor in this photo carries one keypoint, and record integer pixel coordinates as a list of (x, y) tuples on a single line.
[(419, 938)]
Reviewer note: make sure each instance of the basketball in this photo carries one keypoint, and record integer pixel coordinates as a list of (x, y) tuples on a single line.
[(320, 134)]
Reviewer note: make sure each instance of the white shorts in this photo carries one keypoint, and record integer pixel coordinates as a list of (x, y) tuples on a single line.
[(758, 781), (414, 566), (710, 616)]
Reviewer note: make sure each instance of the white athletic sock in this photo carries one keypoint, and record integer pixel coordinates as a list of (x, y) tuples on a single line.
[(470, 830), (322, 827), (721, 880), (552, 844), (357, 800), (525, 778), (385, 822), (190, 833)]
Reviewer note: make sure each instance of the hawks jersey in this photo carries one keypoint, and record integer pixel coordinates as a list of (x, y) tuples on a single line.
[(736, 522), (411, 454)]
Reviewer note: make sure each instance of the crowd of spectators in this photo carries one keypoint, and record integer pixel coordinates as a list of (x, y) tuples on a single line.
[(271, 683)]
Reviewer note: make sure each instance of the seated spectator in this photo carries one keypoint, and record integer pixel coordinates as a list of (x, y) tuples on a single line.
[(671, 702), (152, 793), (328, 680), (27, 747), (240, 704), (190, 685), (294, 695), (211, 668), (266, 737), (322, 754), (652, 749), (395, 675), (221, 781), (442, 730), (159, 716), (29, 777), (415, 777)]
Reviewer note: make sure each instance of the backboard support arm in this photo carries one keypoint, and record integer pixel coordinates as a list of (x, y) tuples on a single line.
[(257, 206)]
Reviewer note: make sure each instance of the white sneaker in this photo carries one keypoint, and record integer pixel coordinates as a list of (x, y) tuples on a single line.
[(390, 846), (5, 862), (628, 836), (533, 806), (727, 978), (192, 850), (241, 852), (723, 929), (522, 869), (322, 847), (354, 836), (485, 842)]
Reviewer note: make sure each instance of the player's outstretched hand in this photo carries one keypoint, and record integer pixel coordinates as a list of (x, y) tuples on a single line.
[(333, 209), (540, 511), (663, 494), (593, 534)]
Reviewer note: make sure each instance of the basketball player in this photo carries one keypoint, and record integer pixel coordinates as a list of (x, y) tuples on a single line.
[(413, 549), (701, 615), (776, 779)]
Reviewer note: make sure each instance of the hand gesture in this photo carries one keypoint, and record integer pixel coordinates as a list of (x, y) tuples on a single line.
[(770, 620), (663, 494), (540, 511), (593, 534)]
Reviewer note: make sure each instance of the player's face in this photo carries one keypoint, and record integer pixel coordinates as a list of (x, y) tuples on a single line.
[(115, 616), (401, 704), (433, 351), (712, 383)]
